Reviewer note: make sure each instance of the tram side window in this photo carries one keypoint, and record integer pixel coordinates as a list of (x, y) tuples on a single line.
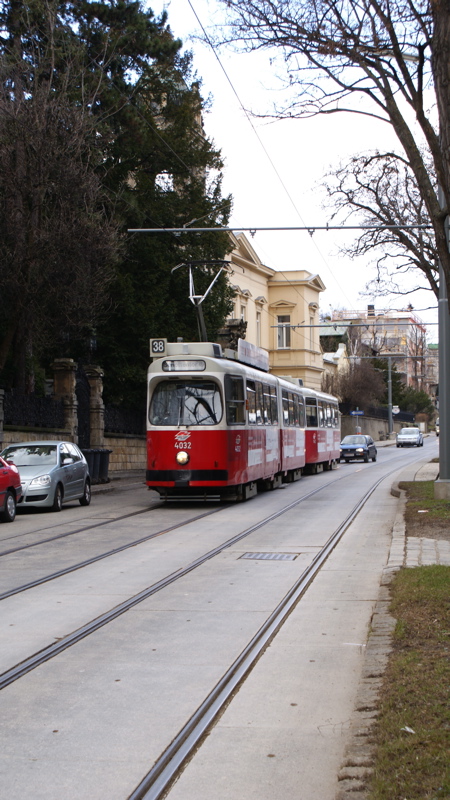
[(301, 412), (311, 412), (259, 404), (270, 406), (285, 402), (321, 414), (273, 405), (329, 415), (266, 404), (251, 402), (234, 397), (335, 412), (291, 409)]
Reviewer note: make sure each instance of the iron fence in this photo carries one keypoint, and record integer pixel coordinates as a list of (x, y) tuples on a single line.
[(377, 413), (124, 420), (32, 411)]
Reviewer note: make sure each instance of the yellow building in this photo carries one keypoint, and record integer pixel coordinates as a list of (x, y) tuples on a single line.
[(281, 312)]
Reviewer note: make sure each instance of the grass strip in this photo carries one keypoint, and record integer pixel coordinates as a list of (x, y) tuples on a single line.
[(412, 753), (420, 496)]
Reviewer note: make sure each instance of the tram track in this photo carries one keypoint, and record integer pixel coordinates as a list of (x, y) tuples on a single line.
[(47, 653), (100, 556), (185, 740), (162, 775), (90, 527), (114, 551), (166, 769)]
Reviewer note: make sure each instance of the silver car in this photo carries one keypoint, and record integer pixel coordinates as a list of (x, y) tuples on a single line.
[(51, 473), (409, 437)]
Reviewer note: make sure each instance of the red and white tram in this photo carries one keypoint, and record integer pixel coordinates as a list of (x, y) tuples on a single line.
[(219, 427)]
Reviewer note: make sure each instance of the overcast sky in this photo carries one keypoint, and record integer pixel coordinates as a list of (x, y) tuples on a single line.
[(274, 169)]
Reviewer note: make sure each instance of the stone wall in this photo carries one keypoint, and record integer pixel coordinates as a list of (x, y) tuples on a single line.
[(376, 428), (128, 452)]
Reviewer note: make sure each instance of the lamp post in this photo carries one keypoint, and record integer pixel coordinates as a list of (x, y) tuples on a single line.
[(390, 420), (442, 484)]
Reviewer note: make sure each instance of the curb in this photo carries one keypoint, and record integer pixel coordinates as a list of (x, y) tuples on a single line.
[(357, 766)]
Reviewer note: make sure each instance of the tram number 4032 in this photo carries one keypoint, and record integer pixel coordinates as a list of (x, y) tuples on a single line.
[(158, 347)]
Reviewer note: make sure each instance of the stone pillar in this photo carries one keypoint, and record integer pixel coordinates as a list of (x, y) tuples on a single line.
[(97, 406), (64, 388), (2, 416)]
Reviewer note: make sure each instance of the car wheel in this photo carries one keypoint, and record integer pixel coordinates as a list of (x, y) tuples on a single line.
[(58, 499), (86, 499), (9, 512), (366, 459)]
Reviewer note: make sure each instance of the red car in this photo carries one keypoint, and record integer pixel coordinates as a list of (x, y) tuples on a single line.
[(10, 490)]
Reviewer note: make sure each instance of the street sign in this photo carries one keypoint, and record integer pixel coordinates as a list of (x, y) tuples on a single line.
[(356, 413)]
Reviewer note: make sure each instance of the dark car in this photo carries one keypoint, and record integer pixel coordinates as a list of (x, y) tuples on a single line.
[(358, 446), (10, 490)]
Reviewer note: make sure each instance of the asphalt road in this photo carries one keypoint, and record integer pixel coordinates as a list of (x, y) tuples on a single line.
[(91, 722)]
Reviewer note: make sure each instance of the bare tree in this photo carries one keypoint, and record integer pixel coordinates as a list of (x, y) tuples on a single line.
[(380, 189), (382, 59), (361, 385)]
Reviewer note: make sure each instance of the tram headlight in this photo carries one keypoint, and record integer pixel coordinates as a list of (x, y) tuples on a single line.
[(182, 457)]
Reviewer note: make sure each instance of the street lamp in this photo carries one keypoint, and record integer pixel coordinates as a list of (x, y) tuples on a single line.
[(442, 484)]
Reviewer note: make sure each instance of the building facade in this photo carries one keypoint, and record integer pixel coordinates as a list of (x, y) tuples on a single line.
[(280, 311), (398, 334)]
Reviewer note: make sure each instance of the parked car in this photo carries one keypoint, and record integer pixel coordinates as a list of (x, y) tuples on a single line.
[(409, 437), (51, 473), (356, 446), (437, 426), (10, 490)]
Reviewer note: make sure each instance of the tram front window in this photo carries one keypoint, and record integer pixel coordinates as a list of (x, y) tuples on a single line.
[(186, 403)]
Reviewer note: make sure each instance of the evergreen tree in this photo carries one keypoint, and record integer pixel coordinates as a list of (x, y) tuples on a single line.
[(101, 131), (397, 384), (58, 246), (160, 171)]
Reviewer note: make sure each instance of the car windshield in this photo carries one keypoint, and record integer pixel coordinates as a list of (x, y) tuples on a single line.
[(31, 455), (354, 440), (409, 432)]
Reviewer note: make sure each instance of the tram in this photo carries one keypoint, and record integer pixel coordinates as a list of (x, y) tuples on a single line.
[(220, 426)]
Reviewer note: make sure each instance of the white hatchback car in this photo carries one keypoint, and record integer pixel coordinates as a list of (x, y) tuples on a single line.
[(409, 437)]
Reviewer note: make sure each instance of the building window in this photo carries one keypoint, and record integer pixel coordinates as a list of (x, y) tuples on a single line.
[(258, 329), (284, 331)]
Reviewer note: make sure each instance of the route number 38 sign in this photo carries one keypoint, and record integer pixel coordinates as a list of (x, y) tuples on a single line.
[(158, 347)]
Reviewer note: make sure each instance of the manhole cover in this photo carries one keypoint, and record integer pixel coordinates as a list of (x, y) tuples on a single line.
[(271, 556)]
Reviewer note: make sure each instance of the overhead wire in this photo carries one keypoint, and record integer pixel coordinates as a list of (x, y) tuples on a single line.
[(213, 48), (248, 117)]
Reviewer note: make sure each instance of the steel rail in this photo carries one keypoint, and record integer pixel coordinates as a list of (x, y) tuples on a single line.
[(164, 771), (71, 533), (67, 570), (47, 653)]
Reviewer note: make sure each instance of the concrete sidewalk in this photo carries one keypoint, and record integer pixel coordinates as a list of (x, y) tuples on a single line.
[(404, 552)]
